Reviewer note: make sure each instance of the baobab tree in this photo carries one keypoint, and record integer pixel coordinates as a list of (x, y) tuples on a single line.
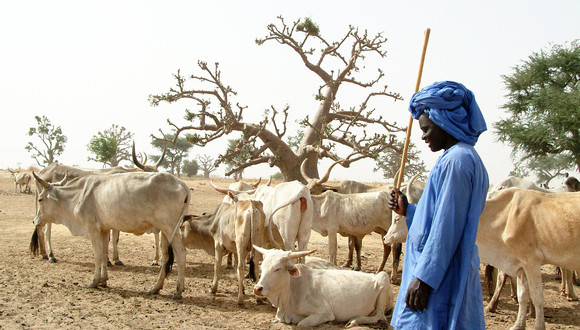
[(337, 63)]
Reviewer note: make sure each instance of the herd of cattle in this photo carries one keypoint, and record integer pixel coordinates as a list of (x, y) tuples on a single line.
[(522, 227)]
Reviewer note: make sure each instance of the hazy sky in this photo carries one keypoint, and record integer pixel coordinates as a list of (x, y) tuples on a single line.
[(86, 65)]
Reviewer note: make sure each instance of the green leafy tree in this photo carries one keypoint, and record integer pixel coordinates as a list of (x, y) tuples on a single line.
[(174, 155), (519, 170), (548, 167), (358, 128), (111, 146), (390, 162), (544, 105), (52, 141), (190, 167)]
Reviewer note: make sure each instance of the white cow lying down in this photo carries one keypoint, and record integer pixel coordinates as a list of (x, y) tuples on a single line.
[(311, 297)]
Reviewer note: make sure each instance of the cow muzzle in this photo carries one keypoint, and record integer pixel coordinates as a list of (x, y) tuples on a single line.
[(36, 221), (258, 290)]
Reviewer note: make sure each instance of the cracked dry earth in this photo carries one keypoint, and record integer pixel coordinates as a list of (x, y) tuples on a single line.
[(36, 294)]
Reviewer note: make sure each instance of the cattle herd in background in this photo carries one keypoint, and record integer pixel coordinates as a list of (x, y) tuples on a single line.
[(523, 226)]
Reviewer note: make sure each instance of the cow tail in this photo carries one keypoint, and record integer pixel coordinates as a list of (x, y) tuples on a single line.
[(170, 259), (170, 256), (252, 270), (183, 211), (34, 243)]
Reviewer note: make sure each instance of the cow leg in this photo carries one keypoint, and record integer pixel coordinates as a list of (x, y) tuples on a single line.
[(157, 247), (567, 285), (384, 302), (180, 259), (386, 252), (501, 278), (241, 255), (100, 252), (313, 320), (41, 241), (230, 262), (105, 236), (217, 266), (514, 285), (537, 295), (164, 269), (523, 298), (115, 244), (48, 241), (357, 248), (332, 246), (397, 248), (351, 242)]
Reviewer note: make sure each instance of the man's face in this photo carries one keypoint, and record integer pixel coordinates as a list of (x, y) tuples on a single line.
[(433, 135)]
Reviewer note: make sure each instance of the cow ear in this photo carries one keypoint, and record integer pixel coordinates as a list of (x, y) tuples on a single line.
[(293, 271), (52, 193)]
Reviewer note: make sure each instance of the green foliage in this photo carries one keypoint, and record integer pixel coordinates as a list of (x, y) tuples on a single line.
[(519, 170), (174, 154), (111, 146), (190, 167), (390, 162), (308, 26), (104, 148), (52, 138), (278, 176), (544, 104)]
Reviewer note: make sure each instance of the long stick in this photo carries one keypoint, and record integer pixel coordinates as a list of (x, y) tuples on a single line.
[(408, 138)]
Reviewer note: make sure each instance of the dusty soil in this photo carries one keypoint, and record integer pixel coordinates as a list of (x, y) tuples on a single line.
[(36, 294)]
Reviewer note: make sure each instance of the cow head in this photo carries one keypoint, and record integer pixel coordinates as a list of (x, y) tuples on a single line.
[(232, 192), (277, 268), (572, 184), (45, 196), (397, 231), (144, 167)]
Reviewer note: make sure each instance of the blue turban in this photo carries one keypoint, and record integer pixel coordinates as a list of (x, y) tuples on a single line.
[(452, 107)]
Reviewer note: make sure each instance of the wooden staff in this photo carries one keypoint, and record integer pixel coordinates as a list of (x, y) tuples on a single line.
[(408, 138)]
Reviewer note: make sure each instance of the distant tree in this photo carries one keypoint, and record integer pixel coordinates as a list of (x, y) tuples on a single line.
[(206, 164), (278, 176), (174, 154), (544, 105), (190, 167), (389, 162), (52, 139), (111, 146), (519, 170), (548, 167)]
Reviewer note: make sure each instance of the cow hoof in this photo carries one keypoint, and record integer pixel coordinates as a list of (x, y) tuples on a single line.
[(102, 284), (346, 265), (52, 261), (572, 298), (45, 257), (261, 301), (176, 296), (93, 285), (153, 291), (119, 263), (489, 309), (395, 281), (109, 264), (154, 263)]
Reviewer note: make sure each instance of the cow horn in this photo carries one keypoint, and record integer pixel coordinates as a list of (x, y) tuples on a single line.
[(63, 181), (161, 158), (311, 181), (260, 249), (299, 254), (43, 183), (269, 181), (135, 161), (255, 185)]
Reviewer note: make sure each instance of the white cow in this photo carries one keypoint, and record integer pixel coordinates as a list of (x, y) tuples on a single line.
[(520, 230), (571, 184), (288, 206), (21, 180), (230, 228), (310, 297), (131, 202), (351, 214)]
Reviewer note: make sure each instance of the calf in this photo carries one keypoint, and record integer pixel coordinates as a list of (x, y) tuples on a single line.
[(231, 228), (310, 297)]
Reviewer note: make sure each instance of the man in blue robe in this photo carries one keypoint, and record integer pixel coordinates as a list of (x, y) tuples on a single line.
[(440, 286)]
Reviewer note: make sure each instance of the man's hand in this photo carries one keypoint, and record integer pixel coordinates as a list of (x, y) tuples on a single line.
[(398, 205), (417, 294)]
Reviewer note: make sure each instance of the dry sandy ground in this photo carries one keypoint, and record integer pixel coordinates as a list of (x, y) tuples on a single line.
[(36, 294)]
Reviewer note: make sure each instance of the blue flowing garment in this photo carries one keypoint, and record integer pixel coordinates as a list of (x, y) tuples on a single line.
[(440, 248)]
